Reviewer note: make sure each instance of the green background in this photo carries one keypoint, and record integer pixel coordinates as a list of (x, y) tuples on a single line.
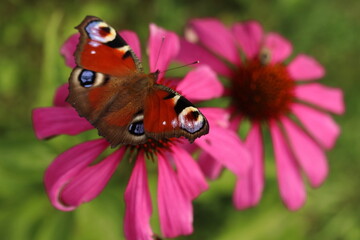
[(31, 68)]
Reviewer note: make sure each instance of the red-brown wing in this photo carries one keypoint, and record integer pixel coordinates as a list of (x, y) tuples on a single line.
[(167, 114), (101, 49), (99, 85), (105, 64)]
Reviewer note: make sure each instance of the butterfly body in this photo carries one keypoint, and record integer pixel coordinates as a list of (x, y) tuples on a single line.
[(127, 106)]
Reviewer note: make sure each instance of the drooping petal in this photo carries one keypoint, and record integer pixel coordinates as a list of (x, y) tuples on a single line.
[(52, 121), (330, 99), (175, 209), (190, 52), (200, 84), (226, 147), (310, 156), (138, 204), (249, 35), (319, 124), (189, 174), (132, 39), (304, 67), (60, 96), (163, 47), (67, 165), (90, 181), (280, 48), (68, 49), (216, 37), (209, 166), (249, 188), (291, 186)]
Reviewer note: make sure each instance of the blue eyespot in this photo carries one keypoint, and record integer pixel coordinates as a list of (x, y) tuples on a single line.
[(137, 128), (87, 78)]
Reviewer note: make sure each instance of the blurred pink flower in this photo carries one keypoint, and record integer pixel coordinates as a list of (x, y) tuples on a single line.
[(73, 179), (270, 94)]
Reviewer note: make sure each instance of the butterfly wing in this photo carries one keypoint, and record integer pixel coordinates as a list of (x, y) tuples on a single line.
[(167, 114), (102, 86), (102, 49)]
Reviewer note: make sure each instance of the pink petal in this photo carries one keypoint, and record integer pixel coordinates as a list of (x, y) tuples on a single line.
[(330, 99), (187, 146), (200, 84), (189, 174), (291, 186), (209, 166), (280, 48), (90, 181), (60, 96), (216, 37), (225, 146), (319, 124), (52, 121), (163, 47), (175, 209), (138, 204), (216, 116), (249, 188), (309, 155), (68, 49), (68, 165), (190, 52), (132, 39), (304, 67), (249, 35)]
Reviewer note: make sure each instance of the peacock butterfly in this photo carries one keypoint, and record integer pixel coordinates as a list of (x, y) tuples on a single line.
[(109, 88)]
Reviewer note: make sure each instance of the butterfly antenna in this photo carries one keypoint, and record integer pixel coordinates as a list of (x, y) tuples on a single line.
[(158, 54), (189, 64)]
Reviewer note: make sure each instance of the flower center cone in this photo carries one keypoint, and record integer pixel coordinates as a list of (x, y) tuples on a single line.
[(262, 92)]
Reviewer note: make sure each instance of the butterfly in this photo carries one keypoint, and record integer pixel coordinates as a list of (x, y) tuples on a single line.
[(128, 107)]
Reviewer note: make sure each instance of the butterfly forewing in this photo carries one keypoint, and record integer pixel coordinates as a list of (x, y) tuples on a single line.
[(102, 49)]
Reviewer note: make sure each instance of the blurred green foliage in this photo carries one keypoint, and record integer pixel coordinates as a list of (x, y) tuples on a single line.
[(31, 68)]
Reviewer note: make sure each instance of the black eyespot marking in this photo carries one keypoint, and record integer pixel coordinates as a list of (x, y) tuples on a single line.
[(195, 114), (126, 55), (181, 104), (171, 95), (86, 78), (105, 29), (137, 128)]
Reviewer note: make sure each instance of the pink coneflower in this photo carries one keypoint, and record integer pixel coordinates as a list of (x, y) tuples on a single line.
[(73, 178), (271, 95)]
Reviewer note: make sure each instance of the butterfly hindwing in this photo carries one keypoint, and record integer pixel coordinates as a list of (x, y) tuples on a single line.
[(113, 105), (89, 92), (167, 114)]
